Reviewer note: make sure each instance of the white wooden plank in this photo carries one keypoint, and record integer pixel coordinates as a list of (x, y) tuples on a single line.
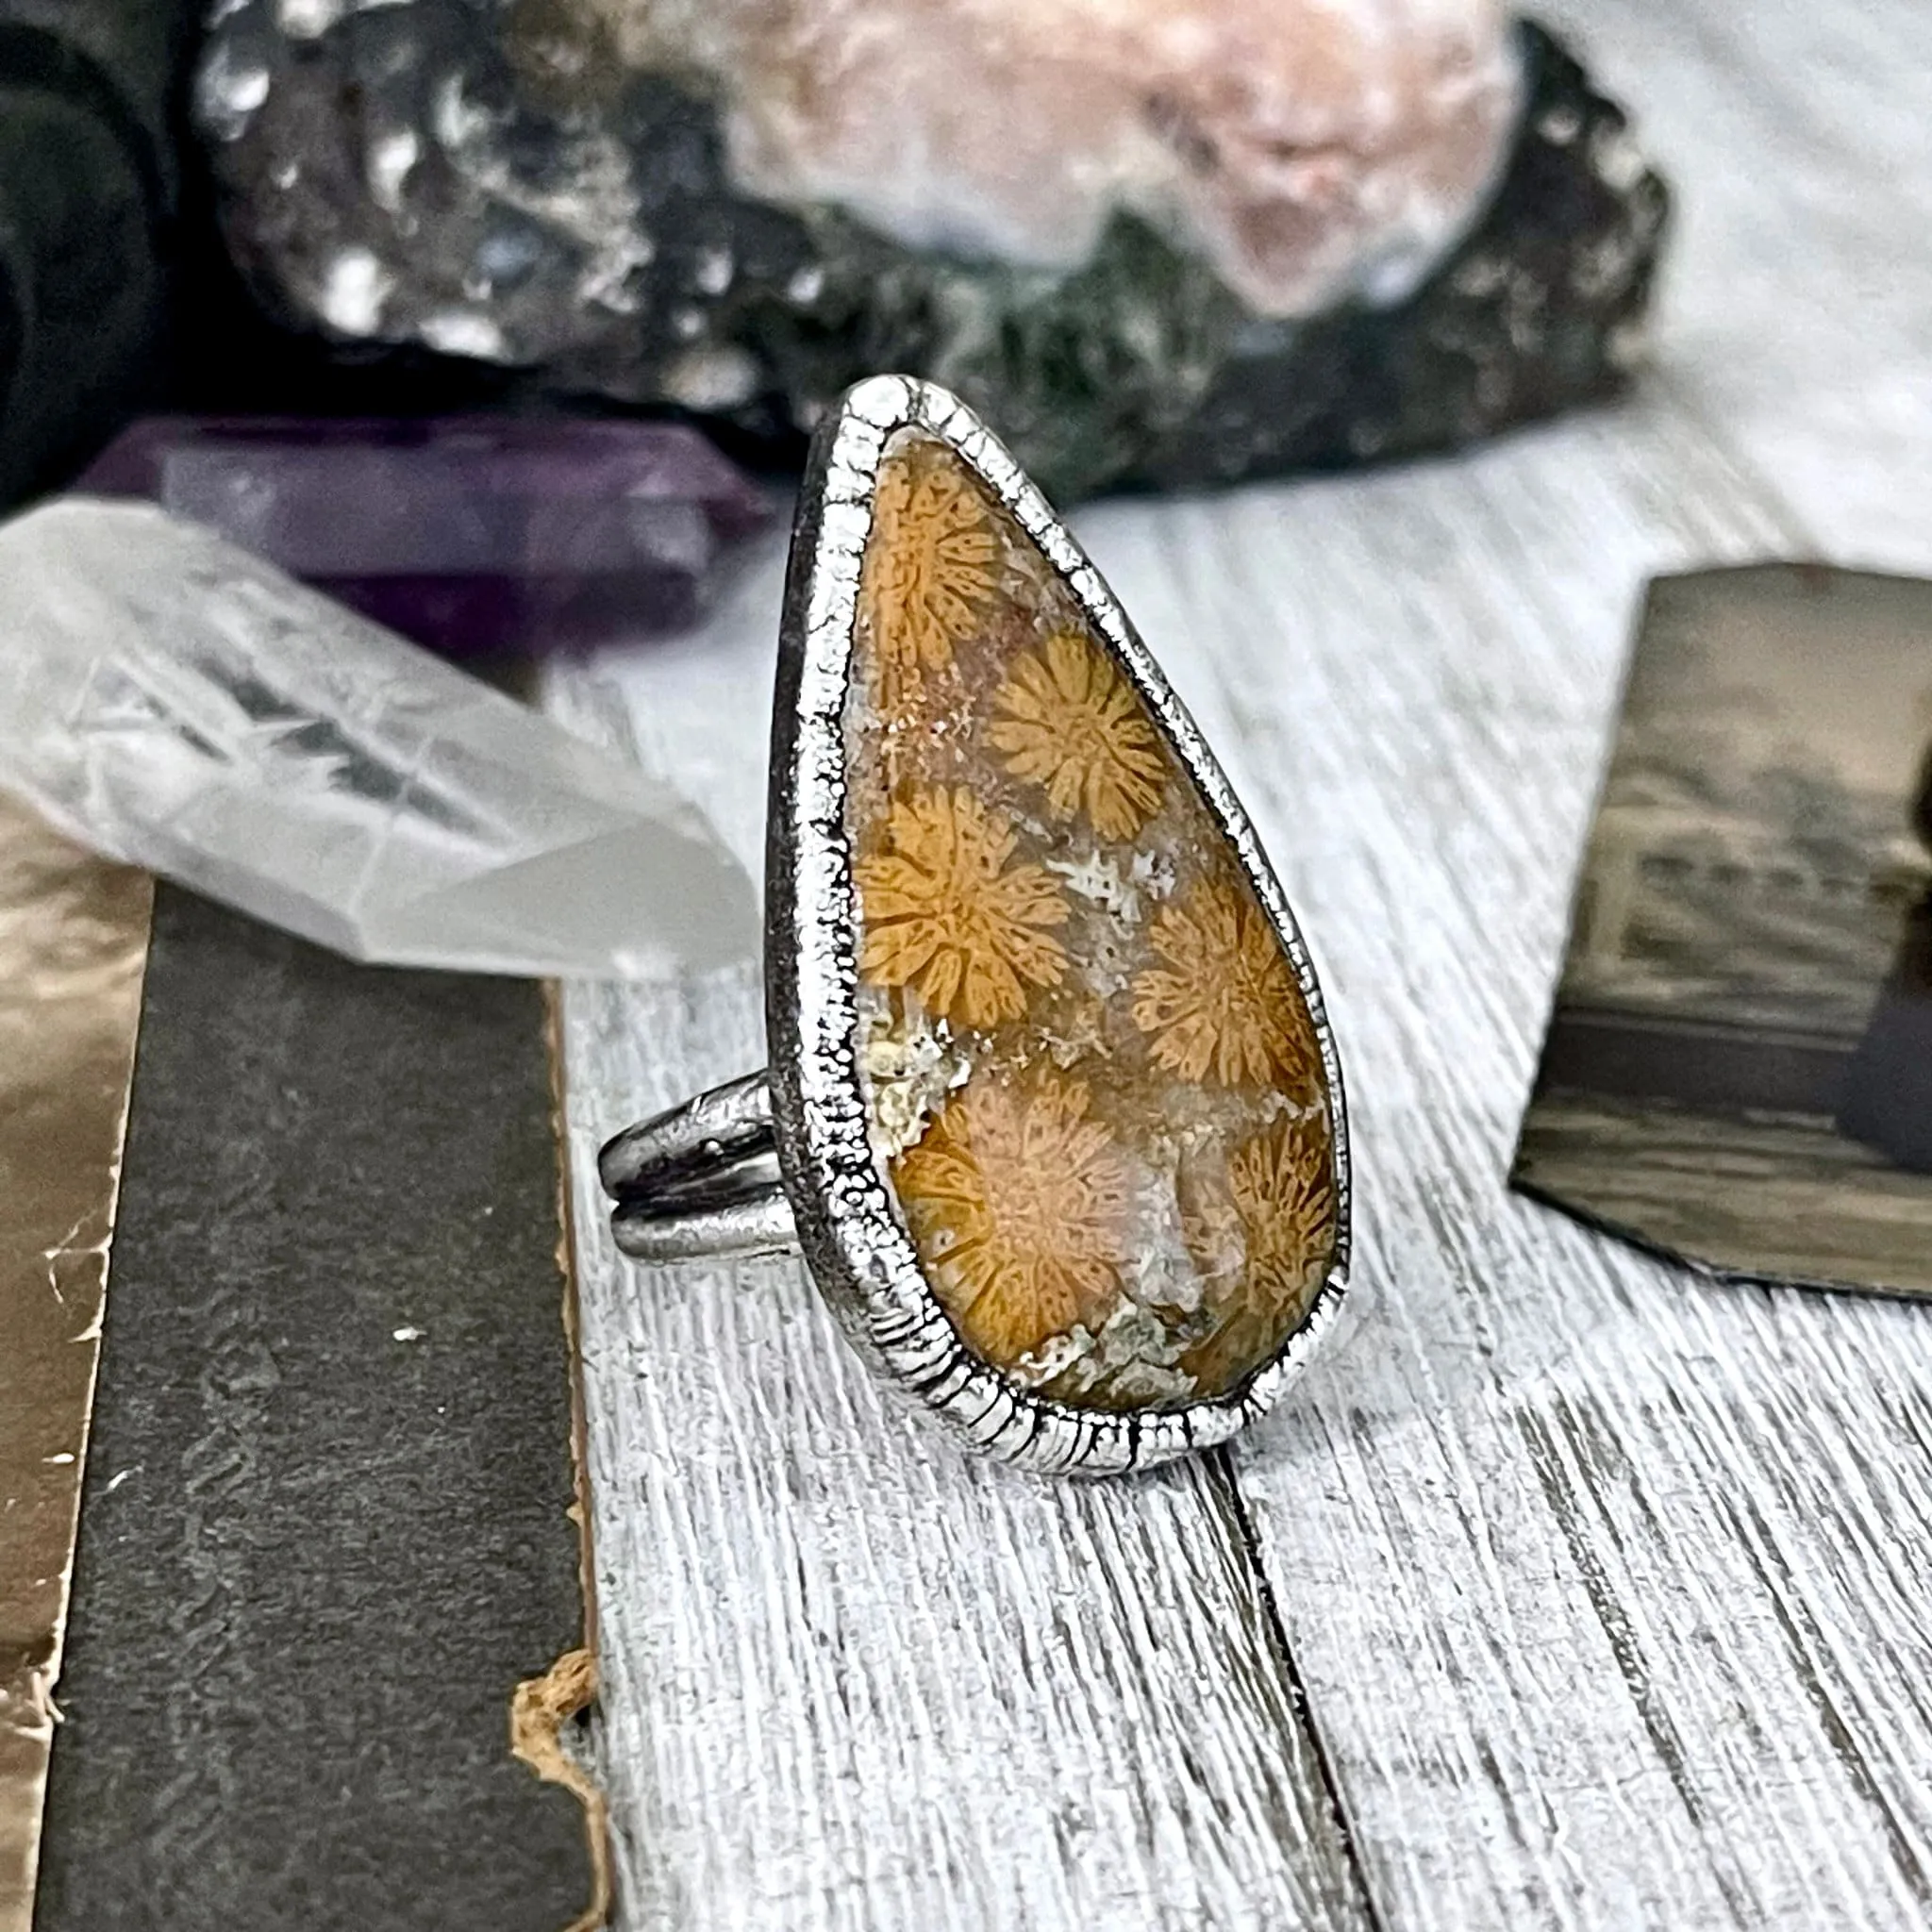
[(1797, 313), (1608, 1588), (852, 1678), (1536, 1535)]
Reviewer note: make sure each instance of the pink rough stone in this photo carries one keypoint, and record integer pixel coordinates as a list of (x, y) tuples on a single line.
[(1310, 149)]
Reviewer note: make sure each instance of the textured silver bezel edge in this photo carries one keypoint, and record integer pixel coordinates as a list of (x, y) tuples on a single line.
[(848, 1228)]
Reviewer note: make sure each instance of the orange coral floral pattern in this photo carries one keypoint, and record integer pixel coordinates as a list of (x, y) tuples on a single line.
[(929, 571), (1070, 721), (945, 914), (1124, 1113), (1226, 1004), (1266, 1234), (1283, 1188), (1016, 1199)]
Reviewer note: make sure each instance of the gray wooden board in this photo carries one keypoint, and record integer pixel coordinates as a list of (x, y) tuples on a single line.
[(1567, 1590)]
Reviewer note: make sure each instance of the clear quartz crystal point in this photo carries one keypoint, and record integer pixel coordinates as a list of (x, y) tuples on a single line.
[(173, 701)]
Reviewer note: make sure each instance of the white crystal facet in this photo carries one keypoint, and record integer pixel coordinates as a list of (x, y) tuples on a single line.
[(174, 701)]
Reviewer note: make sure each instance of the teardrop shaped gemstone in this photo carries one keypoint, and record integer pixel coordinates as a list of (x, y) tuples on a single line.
[(1088, 1069)]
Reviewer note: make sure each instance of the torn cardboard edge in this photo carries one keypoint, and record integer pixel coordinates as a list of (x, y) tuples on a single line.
[(539, 1709), (542, 1705)]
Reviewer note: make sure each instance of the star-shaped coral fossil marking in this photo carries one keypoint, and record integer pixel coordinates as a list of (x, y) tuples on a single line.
[(1016, 1199), (1069, 720), (1224, 1006), (945, 914)]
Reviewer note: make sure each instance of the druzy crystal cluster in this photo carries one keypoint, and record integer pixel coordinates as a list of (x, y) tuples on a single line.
[(1304, 151), (1152, 241), (1090, 1074)]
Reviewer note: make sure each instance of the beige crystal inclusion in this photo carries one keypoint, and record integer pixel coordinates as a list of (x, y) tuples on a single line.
[(1092, 1079), (1308, 149)]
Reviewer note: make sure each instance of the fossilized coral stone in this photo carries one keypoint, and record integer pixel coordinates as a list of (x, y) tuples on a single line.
[(1092, 1078)]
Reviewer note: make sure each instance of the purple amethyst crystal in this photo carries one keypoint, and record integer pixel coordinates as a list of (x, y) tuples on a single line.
[(476, 534)]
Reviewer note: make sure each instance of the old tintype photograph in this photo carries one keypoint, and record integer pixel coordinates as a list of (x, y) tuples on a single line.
[(1739, 1067)]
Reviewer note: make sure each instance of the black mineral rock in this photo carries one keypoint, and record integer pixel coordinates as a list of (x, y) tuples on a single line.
[(88, 191)]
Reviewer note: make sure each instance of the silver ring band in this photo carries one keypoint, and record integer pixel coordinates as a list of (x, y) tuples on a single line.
[(701, 1180)]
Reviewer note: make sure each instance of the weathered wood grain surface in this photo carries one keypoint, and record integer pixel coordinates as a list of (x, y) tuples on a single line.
[(1567, 1590)]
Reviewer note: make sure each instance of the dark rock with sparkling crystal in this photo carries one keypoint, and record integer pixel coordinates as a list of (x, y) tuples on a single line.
[(483, 183)]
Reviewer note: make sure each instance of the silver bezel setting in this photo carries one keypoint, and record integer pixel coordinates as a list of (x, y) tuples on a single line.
[(848, 1220)]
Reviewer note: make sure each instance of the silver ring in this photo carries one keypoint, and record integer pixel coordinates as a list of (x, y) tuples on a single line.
[(1053, 1110), (701, 1180)]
